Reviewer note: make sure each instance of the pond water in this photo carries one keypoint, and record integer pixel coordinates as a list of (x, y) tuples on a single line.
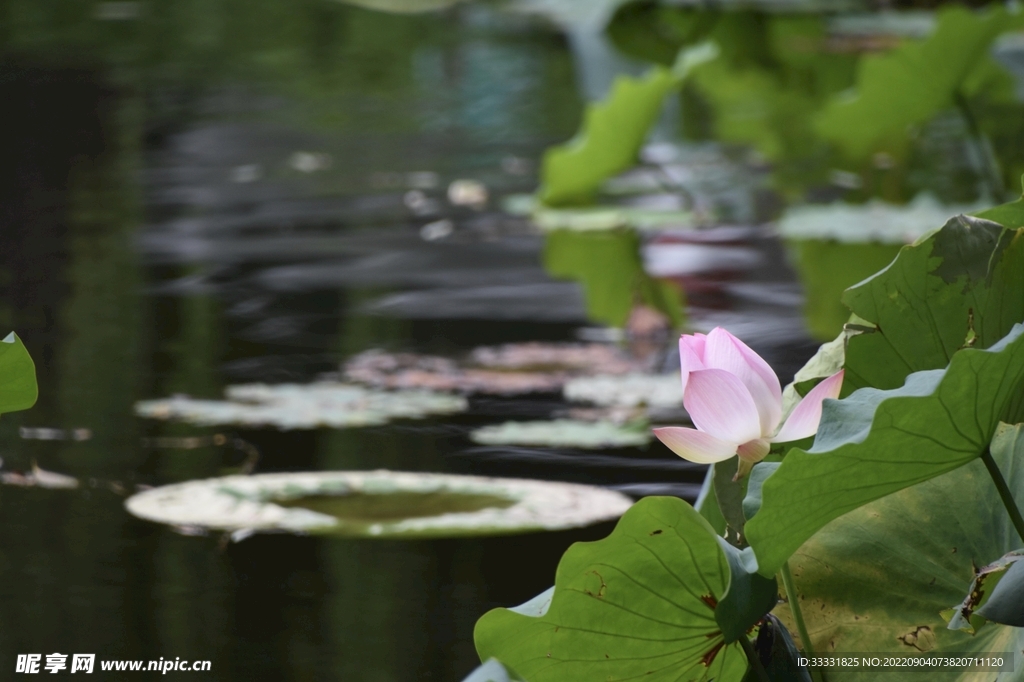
[(199, 195)]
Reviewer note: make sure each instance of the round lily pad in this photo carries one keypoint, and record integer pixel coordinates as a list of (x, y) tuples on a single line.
[(875, 221), (511, 369), (564, 433), (386, 504), (303, 406), (629, 390)]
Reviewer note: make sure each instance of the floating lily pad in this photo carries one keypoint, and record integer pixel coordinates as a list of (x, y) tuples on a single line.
[(408, 370), (39, 478), (377, 504), (303, 406), (591, 358), (875, 221), (562, 433), (512, 369), (600, 218), (627, 390)]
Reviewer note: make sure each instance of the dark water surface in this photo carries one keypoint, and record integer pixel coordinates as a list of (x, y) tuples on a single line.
[(198, 194)]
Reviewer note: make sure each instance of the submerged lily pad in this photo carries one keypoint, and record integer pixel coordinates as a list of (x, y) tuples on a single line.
[(303, 406), (377, 504), (627, 390), (562, 433)]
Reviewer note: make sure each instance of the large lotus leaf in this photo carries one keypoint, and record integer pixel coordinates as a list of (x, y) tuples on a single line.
[(639, 604), (876, 442), (612, 132), (877, 579), (962, 286), (989, 599), (1008, 215), (1006, 601), (912, 83), (18, 390)]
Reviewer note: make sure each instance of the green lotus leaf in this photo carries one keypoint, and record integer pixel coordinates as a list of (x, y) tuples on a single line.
[(961, 287), (914, 82), (1005, 604), (1008, 215), (877, 579), (18, 389), (639, 604), (877, 442), (613, 131), (968, 615)]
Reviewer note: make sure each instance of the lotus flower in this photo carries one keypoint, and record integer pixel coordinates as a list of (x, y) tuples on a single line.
[(735, 401)]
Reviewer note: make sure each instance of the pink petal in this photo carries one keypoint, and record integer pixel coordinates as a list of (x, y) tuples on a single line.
[(803, 420), (721, 405), (750, 453), (695, 445), (725, 351), (691, 354), (754, 451), (695, 342)]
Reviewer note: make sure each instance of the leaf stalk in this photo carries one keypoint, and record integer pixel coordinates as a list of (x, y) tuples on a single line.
[(754, 659), (798, 616)]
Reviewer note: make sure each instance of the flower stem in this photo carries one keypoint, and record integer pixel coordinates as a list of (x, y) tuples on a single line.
[(754, 659), (1004, 492), (798, 616), (794, 606)]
